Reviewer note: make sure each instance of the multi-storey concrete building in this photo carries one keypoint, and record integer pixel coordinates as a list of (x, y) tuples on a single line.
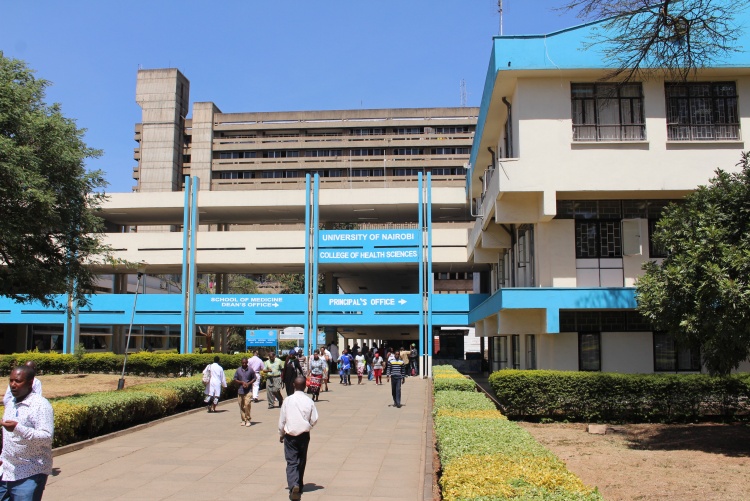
[(569, 173)]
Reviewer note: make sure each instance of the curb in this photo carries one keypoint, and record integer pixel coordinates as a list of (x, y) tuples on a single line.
[(65, 449)]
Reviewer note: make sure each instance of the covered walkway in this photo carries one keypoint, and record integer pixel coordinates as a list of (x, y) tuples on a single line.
[(362, 448)]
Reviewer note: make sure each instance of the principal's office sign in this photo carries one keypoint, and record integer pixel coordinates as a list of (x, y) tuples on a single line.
[(369, 246)]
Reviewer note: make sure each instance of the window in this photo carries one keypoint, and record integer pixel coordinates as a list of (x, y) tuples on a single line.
[(499, 352), (236, 154), (280, 154), (461, 129), (450, 151), (407, 172), (409, 130), (515, 350), (236, 175), (670, 357), (607, 112), (367, 152), (368, 132), (702, 111), (595, 239), (323, 153), (589, 351), (367, 172), (449, 171), (530, 351), (408, 151)]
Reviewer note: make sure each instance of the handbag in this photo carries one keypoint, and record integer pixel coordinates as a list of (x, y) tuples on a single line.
[(207, 375)]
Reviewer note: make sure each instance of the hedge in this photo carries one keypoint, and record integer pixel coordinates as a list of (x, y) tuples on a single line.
[(611, 397), (82, 417), (158, 364), (486, 457), (447, 382)]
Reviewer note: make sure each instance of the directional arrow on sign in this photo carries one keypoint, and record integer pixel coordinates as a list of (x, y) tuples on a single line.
[(402, 301)]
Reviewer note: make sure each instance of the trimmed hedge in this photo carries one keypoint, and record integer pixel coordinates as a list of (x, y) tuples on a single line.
[(611, 397), (158, 364), (486, 457), (82, 417)]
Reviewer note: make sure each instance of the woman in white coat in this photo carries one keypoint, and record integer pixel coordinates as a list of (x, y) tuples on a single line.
[(216, 382)]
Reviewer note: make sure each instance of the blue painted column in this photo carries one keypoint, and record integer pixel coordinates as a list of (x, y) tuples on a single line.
[(193, 264), (184, 335), (430, 277), (421, 339), (308, 259), (316, 223)]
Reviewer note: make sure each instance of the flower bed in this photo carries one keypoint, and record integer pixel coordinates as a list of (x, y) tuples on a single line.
[(486, 457)]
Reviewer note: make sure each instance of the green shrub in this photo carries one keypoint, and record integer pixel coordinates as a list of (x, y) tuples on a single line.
[(593, 396), (486, 457)]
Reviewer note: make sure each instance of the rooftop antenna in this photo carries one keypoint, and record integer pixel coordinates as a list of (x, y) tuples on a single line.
[(463, 93), (500, 10)]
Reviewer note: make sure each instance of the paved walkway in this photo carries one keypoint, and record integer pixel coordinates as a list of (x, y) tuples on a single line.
[(361, 449)]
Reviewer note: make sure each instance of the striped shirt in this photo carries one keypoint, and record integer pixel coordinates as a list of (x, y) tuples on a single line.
[(395, 368)]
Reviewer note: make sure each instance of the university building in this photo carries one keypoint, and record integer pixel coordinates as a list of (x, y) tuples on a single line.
[(526, 221)]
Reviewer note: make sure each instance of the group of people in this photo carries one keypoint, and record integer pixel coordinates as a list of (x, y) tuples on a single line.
[(298, 373)]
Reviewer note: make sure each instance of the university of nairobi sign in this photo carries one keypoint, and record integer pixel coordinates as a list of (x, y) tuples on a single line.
[(369, 246)]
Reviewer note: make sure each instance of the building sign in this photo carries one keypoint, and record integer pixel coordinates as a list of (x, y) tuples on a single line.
[(261, 338), (251, 302), (369, 246)]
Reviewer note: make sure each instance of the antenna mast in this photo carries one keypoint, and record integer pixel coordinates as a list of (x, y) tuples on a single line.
[(463, 93), (500, 10)]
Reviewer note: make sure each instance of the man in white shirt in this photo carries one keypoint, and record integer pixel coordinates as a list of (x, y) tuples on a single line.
[(216, 382), (298, 416), (36, 386), (28, 425), (256, 364)]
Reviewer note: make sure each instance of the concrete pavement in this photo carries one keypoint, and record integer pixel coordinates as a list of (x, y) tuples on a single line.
[(361, 449)]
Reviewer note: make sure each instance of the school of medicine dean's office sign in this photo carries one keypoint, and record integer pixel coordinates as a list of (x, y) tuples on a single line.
[(369, 246)]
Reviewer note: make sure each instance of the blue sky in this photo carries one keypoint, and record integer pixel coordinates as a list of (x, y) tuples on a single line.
[(258, 55)]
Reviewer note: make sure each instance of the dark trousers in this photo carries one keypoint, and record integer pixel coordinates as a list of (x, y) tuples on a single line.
[(295, 453), (396, 390)]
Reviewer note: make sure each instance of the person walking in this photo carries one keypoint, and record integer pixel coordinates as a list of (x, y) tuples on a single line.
[(292, 370), (345, 360), (317, 371), (413, 360), (333, 349), (369, 354), (272, 369), (361, 364), (298, 416), (377, 368), (395, 370), (28, 425), (303, 360), (404, 355), (256, 364), (326, 355), (245, 378), (217, 381)]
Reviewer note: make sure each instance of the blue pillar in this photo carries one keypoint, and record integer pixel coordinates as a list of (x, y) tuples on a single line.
[(308, 237), (193, 264), (184, 334), (316, 229)]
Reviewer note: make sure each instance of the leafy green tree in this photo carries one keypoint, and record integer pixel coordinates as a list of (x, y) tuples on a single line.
[(676, 36), (49, 233), (700, 293)]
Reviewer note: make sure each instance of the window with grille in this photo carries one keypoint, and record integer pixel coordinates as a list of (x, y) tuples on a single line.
[(607, 112), (702, 111), (589, 351)]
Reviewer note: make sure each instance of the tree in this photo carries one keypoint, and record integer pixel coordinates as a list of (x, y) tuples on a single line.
[(49, 234), (676, 36), (700, 293)]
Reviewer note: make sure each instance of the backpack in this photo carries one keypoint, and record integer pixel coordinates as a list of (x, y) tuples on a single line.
[(207, 374)]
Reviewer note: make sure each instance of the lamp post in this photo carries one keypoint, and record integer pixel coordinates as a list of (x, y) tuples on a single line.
[(141, 270)]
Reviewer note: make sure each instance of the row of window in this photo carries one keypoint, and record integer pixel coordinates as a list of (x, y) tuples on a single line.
[(358, 152), (697, 111), (598, 226), (399, 172), (669, 356), (367, 131)]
